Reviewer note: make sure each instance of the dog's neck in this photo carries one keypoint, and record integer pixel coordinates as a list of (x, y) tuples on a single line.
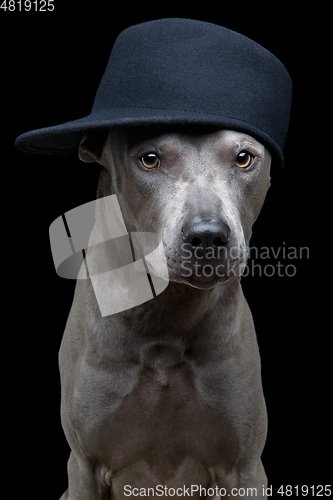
[(180, 310)]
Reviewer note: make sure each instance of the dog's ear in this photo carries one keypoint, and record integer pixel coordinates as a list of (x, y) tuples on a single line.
[(91, 146)]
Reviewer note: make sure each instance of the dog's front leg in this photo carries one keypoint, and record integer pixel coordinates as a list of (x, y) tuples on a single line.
[(243, 484), (85, 481)]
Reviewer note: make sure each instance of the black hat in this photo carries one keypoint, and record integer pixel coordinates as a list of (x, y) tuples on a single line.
[(182, 71)]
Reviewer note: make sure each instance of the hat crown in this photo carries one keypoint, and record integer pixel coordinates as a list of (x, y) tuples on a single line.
[(193, 66)]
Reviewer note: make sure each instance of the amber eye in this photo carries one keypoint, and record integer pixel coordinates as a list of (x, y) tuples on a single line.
[(244, 159), (150, 160)]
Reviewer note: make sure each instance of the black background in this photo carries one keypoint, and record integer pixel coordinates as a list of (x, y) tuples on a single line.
[(51, 65)]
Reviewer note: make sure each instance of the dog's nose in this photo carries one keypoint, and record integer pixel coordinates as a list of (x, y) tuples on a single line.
[(206, 233)]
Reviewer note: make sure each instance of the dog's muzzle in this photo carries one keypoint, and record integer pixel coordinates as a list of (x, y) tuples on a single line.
[(205, 257)]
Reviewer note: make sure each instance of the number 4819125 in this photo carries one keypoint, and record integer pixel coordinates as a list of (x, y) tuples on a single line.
[(313, 491), (26, 5)]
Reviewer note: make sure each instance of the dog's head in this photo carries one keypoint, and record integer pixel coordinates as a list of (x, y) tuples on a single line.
[(199, 189)]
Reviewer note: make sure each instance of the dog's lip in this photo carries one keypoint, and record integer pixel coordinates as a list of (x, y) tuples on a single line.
[(201, 281)]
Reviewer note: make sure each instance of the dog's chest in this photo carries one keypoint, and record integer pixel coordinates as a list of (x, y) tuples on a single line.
[(165, 418), (164, 364)]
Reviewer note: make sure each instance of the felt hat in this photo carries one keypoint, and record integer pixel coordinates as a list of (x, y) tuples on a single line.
[(182, 71)]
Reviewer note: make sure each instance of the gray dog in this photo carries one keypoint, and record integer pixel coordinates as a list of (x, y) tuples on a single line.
[(163, 397), (169, 393)]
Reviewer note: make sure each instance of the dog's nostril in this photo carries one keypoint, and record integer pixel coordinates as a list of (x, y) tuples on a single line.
[(196, 242), (218, 242)]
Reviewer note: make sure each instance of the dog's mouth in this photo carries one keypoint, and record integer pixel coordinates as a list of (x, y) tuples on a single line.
[(204, 272)]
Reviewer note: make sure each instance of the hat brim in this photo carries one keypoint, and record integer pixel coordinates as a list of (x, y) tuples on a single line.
[(66, 138)]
